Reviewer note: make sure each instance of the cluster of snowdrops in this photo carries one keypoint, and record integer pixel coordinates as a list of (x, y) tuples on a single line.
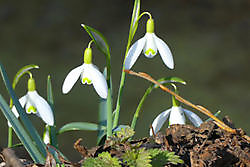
[(150, 45)]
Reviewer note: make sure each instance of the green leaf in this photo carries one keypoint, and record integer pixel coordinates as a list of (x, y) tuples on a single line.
[(216, 114), (168, 80), (98, 38), (102, 119), (52, 129), (163, 157), (102, 114), (134, 19), (137, 158), (104, 159), (21, 133), (80, 126), (26, 122), (125, 133)]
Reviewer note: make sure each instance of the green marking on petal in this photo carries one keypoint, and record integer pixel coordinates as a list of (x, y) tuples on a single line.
[(31, 110), (150, 51), (86, 80)]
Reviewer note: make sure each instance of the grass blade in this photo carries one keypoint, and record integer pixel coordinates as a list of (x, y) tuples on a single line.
[(53, 137), (80, 126), (134, 19)]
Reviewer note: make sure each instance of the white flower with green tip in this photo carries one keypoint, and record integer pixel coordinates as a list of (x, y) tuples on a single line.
[(176, 115), (150, 44), (89, 74), (35, 104)]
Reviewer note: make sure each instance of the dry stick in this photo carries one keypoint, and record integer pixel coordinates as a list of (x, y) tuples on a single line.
[(199, 108)]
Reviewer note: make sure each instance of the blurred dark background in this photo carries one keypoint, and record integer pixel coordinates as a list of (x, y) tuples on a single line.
[(209, 40)]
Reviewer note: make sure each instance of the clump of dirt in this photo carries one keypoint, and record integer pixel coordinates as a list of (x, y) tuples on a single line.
[(205, 146)]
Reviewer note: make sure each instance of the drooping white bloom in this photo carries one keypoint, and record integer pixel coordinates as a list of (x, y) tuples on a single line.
[(150, 44), (176, 116), (89, 74), (35, 104)]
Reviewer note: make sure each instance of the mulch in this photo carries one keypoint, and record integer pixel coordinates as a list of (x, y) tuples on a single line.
[(206, 146)]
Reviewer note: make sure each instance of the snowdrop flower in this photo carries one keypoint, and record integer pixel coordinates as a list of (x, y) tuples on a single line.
[(176, 116), (150, 44), (35, 104), (89, 74)]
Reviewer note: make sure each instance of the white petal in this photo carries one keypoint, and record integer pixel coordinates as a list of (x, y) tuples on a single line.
[(195, 119), (134, 53), (43, 109), (150, 48), (98, 80), (22, 101), (159, 121), (165, 52), (71, 79), (176, 116)]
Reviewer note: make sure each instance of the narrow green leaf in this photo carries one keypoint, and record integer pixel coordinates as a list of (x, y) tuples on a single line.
[(98, 38), (50, 93), (134, 19), (102, 114), (80, 126), (167, 80), (216, 114), (53, 137), (21, 133), (27, 123)]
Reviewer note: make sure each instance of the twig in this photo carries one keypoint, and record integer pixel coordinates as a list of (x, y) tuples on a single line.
[(182, 100)]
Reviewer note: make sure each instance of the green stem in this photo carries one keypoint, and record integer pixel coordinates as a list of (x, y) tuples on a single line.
[(10, 130), (132, 30), (109, 98), (138, 109), (121, 87), (109, 114)]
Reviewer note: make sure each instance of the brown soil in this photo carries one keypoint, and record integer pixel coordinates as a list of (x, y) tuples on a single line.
[(206, 146)]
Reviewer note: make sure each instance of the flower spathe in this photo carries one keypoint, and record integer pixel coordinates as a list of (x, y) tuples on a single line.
[(176, 115), (35, 104), (46, 135), (89, 74), (150, 44)]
